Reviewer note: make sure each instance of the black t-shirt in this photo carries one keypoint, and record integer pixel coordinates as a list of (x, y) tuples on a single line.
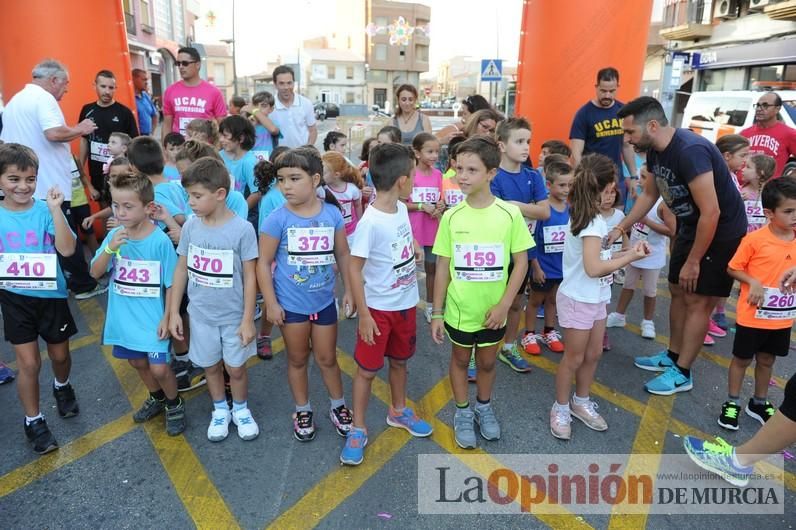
[(600, 130), (113, 118), (687, 156)]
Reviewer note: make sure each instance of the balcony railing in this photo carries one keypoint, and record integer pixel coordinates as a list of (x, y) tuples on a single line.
[(687, 20), (785, 10)]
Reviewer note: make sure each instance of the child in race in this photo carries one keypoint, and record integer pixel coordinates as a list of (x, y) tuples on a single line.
[(171, 146), (217, 254), (546, 273), (612, 215), (765, 314), (335, 141), (451, 192), (202, 130), (118, 144), (759, 170), (475, 244), (656, 228), (237, 139), (33, 297), (344, 181), (584, 293), (264, 127), (426, 206), (119, 166), (383, 280), (734, 148), (305, 238), (142, 259), (523, 187), (553, 147)]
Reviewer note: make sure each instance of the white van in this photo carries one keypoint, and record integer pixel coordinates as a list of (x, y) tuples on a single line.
[(714, 114)]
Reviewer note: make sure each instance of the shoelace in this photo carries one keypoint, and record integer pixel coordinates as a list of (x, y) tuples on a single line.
[(591, 409), (770, 410), (304, 420), (515, 354), (719, 447), (731, 411), (552, 335), (217, 422), (246, 420), (343, 414), (529, 338), (562, 417)]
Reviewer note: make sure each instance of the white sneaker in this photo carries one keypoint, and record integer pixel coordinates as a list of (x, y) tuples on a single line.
[(427, 313), (219, 425), (615, 320), (258, 312), (247, 427), (648, 329)]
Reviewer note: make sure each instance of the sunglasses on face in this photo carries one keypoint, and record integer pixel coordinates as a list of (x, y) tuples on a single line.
[(764, 106), (184, 63)]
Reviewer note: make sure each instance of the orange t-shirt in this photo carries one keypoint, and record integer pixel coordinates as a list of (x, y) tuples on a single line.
[(451, 193), (765, 257)]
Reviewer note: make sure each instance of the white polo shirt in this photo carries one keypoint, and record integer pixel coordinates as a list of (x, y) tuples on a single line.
[(30, 112), (294, 121)]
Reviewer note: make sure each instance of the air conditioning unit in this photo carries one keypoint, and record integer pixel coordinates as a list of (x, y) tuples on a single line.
[(726, 9), (758, 5)]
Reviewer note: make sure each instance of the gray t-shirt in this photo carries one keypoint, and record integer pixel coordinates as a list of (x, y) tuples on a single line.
[(215, 267)]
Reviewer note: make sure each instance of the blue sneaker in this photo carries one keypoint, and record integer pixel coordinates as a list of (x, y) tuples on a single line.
[(514, 359), (669, 382), (721, 320), (471, 368), (409, 421), (354, 450), (717, 457), (6, 374), (654, 363)]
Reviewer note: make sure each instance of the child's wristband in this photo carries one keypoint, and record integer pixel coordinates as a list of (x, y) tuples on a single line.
[(110, 252), (437, 317)]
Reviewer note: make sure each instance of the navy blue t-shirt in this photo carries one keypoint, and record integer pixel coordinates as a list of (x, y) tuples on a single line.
[(600, 130), (687, 156), (527, 186)]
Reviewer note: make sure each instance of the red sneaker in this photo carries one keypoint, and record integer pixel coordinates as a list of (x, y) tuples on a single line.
[(530, 345), (552, 340)]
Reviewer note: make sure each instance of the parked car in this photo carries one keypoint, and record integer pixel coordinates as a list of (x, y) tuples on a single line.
[(325, 110), (714, 114)]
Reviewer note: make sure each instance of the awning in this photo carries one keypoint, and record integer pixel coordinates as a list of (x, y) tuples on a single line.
[(770, 52)]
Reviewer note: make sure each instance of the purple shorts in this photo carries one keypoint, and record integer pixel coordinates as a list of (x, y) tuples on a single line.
[(578, 315)]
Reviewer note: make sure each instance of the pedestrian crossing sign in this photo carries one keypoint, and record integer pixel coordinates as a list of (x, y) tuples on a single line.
[(491, 69)]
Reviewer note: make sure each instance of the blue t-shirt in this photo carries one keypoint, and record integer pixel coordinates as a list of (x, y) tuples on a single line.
[(28, 232), (269, 202), (600, 130), (687, 156), (527, 187), (550, 250), (172, 197), (146, 111), (132, 321), (171, 173), (237, 204), (304, 289), (263, 141), (242, 171)]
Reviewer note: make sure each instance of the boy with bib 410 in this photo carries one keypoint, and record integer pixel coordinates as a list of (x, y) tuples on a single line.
[(765, 314), (475, 243)]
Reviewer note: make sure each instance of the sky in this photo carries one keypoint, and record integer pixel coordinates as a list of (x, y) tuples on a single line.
[(458, 27)]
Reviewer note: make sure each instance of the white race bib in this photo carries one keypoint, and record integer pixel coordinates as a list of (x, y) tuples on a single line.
[(478, 262), (403, 262), (210, 267), (554, 238), (32, 271), (137, 278), (776, 305), (347, 207), (425, 194), (754, 212), (183, 124), (453, 197), (531, 224), (606, 281), (310, 246), (640, 232), (99, 151), (617, 246)]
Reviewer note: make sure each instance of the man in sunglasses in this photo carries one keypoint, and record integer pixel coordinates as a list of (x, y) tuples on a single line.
[(768, 135), (192, 97)]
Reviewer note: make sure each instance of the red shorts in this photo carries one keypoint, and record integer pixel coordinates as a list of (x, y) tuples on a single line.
[(398, 339)]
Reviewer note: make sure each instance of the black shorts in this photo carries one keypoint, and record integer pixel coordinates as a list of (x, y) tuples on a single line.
[(713, 278), (749, 341), (468, 339), (548, 285), (524, 280), (26, 318), (79, 214), (788, 407)]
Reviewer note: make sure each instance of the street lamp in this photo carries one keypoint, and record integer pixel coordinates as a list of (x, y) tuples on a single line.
[(232, 42)]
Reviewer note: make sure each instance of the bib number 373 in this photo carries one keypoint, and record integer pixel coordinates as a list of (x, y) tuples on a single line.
[(28, 271), (310, 246)]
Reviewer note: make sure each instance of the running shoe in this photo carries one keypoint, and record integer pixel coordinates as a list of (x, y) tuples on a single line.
[(588, 414), (66, 401), (619, 277), (464, 428), (721, 320), (729, 415), (219, 425), (762, 412), (408, 420), (341, 419), (258, 312), (194, 377), (560, 422), (247, 427), (654, 363), (264, 347), (303, 426), (6, 374), (648, 329), (96, 291), (151, 408), (715, 330), (354, 451), (552, 339), (717, 457), (708, 341), (40, 436), (669, 382), (529, 343), (180, 367), (471, 372), (175, 418), (615, 320), (513, 358), (487, 421)]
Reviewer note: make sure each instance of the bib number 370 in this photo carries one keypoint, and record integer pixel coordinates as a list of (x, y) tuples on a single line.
[(210, 267)]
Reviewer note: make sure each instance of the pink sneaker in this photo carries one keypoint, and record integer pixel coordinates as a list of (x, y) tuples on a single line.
[(715, 330), (560, 420), (709, 341)]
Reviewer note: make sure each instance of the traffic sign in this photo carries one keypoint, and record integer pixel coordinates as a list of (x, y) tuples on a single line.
[(491, 70)]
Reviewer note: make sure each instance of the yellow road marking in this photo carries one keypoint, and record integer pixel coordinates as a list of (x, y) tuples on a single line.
[(649, 441), (201, 499)]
